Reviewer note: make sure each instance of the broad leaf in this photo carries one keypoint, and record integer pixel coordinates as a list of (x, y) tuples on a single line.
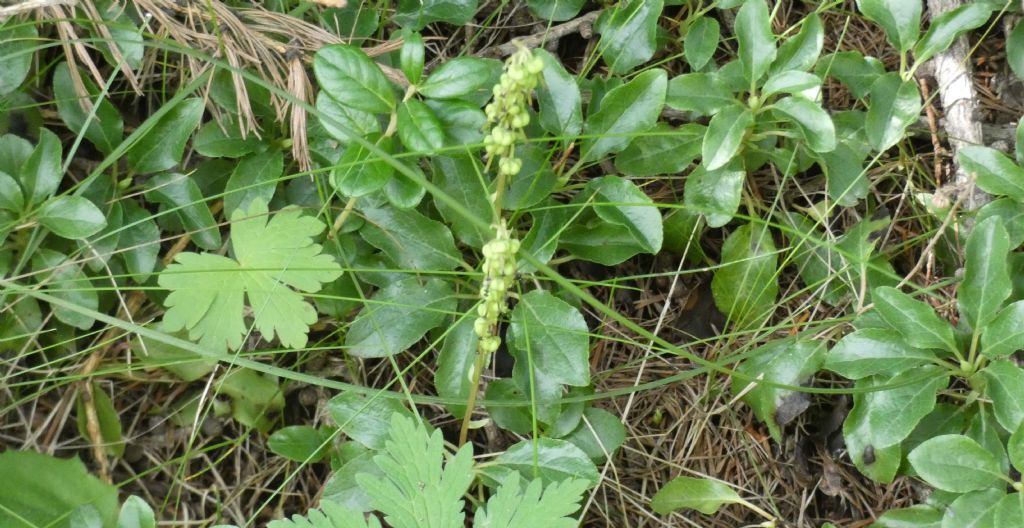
[(901, 19), (745, 286), (300, 443), (360, 172), (455, 361), (715, 194), (550, 460), (986, 276), (418, 127), (877, 463), (1005, 334), (163, 145), (365, 419), (398, 316), (555, 10), (873, 351), (66, 281), (552, 336), (71, 217), (916, 516), (785, 361), (41, 173), (891, 415), (852, 69), (411, 56), (662, 150), (462, 178), (254, 178), (915, 320), (704, 93), (701, 41), (756, 41), (1015, 50), (11, 197), (801, 51), (703, 495), (1010, 510), (792, 82), (410, 239), (105, 129), (458, 77), (42, 490), (725, 134), (17, 47), (416, 14), (1015, 447), (135, 513), (955, 463), (341, 121), (561, 104), (895, 105), (1004, 386), (814, 123), (214, 141), (625, 110), (948, 26), (628, 34), (181, 194), (353, 79), (995, 173), (976, 509), (599, 434), (272, 256)]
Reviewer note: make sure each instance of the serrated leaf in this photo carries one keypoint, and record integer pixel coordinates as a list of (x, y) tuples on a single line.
[(458, 77), (536, 505), (410, 239), (701, 41), (714, 194), (756, 40), (986, 275), (71, 217), (163, 145), (901, 19), (553, 336), (725, 134), (1005, 334), (895, 105), (995, 173), (787, 362), (873, 351), (353, 79), (703, 495), (330, 515), (948, 26), (105, 130), (418, 488), (1005, 385), (745, 286), (272, 256), (11, 197), (628, 34), (559, 98), (915, 320), (418, 127), (398, 316), (625, 110)]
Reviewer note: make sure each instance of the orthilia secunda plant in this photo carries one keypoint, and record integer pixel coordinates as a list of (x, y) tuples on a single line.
[(507, 115)]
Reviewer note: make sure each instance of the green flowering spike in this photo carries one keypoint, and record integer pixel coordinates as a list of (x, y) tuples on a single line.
[(507, 113), (499, 269)]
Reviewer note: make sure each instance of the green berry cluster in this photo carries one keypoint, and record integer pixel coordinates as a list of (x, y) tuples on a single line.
[(508, 112), (499, 273)]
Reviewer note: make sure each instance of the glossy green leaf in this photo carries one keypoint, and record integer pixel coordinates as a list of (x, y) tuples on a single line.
[(534, 182), (418, 127), (701, 41), (398, 316), (995, 173), (916, 516), (214, 141), (66, 281), (559, 98), (986, 276), (360, 172), (756, 40), (415, 14), (17, 47), (662, 150), (454, 363), (877, 463), (551, 335), (745, 286), (463, 122), (715, 194), (403, 192), (300, 443), (255, 177), (955, 463), (625, 110), (1010, 510), (107, 419), (1015, 447), (513, 418), (1004, 386), (14, 151), (915, 320), (1005, 334), (599, 434), (725, 134), (353, 79), (42, 490), (619, 201), (813, 121), (182, 195), (801, 51), (948, 26), (542, 239), (784, 361), (458, 77), (1015, 50), (365, 419), (628, 34), (847, 181), (873, 351), (340, 121), (461, 177), (1012, 214), (410, 239), (704, 93), (900, 19), (556, 10), (411, 57), (127, 37), (135, 513), (895, 105), (703, 495), (891, 415), (791, 82), (11, 197), (976, 509), (164, 144), (42, 172), (71, 217), (550, 460), (852, 69), (106, 128)]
